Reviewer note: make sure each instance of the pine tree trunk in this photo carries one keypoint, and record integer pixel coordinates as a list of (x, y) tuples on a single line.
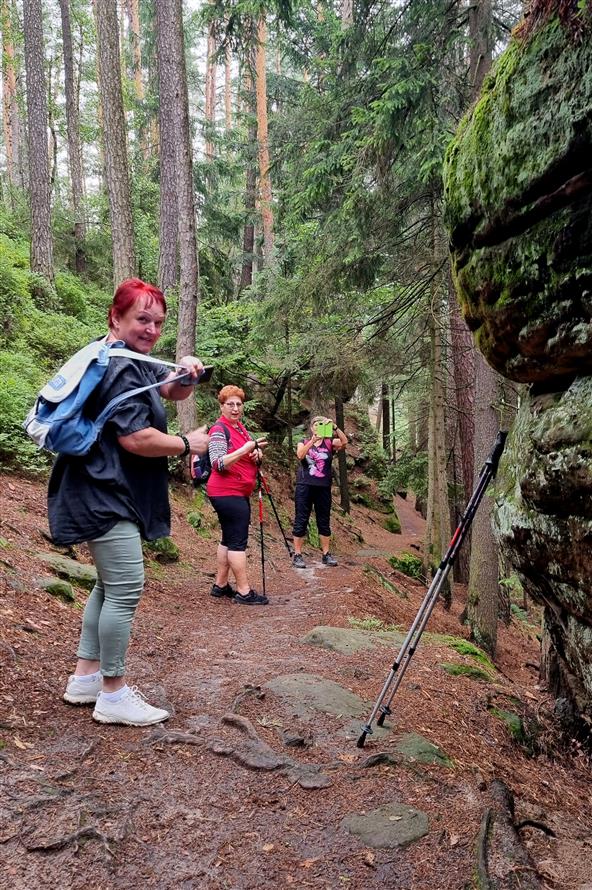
[(210, 93), (40, 193), (74, 148), (386, 420), (463, 356), (347, 14), (13, 140), (133, 11), (483, 599), (265, 193), (342, 459), (114, 141), (167, 137), (251, 183), (169, 16), (438, 511), (228, 87)]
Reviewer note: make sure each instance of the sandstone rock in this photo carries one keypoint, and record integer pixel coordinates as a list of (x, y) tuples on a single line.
[(518, 189)]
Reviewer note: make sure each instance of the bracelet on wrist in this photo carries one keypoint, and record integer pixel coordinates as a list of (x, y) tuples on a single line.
[(186, 446)]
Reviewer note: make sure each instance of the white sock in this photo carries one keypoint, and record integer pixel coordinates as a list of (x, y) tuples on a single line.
[(115, 696), (89, 678)]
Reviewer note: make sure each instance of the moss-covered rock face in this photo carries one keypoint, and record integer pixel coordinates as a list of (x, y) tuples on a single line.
[(544, 517), (518, 191), (518, 186)]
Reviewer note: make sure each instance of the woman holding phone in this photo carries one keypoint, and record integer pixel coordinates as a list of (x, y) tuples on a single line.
[(313, 485)]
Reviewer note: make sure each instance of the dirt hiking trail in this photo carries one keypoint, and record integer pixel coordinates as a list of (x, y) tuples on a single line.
[(256, 780)]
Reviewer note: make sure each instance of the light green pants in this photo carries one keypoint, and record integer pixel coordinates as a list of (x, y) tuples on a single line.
[(110, 609)]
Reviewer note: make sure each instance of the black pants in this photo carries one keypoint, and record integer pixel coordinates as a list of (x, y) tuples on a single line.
[(234, 514), (305, 498)]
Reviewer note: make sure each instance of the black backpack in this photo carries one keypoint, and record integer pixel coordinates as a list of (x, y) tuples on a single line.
[(201, 467)]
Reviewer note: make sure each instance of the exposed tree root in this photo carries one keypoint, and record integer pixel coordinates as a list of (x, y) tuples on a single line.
[(503, 863), (89, 831), (172, 736)]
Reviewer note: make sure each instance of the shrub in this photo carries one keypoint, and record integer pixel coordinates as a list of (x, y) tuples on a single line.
[(71, 295), (15, 297), (20, 381)]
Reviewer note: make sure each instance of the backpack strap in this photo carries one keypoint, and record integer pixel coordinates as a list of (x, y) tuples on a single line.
[(112, 405)]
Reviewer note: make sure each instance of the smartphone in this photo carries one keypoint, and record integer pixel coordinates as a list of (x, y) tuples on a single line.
[(324, 430), (205, 375)]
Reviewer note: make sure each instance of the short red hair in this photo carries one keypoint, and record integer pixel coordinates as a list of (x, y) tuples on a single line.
[(228, 391), (129, 292)]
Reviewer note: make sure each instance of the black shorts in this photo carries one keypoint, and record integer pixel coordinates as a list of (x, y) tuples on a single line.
[(305, 498), (234, 515)]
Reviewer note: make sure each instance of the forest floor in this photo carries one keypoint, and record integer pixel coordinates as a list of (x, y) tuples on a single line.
[(256, 780)]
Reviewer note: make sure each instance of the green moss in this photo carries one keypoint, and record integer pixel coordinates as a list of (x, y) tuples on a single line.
[(513, 722), (466, 670), (164, 550), (384, 582), (465, 647), (408, 564), (392, 524)]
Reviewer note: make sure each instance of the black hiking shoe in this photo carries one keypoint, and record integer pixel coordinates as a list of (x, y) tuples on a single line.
[(252, 598), (329, 560), (219, 592), (298, 561)]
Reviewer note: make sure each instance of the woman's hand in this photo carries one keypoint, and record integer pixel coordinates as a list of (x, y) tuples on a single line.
[(194, 366), (179, 390), (198, 440), (254, 449)]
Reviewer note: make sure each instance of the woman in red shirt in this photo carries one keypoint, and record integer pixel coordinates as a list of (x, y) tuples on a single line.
[(234, 456)]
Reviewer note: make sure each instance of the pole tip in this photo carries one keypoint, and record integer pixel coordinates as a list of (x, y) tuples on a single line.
[(361, 740)]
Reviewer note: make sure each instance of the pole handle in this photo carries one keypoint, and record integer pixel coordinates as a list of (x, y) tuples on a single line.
[(497, 451)]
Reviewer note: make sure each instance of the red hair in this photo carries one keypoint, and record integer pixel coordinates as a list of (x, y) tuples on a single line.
[(129, 292), (228, 391)]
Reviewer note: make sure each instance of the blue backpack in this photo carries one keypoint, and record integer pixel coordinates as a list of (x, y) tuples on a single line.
[(57, 421)]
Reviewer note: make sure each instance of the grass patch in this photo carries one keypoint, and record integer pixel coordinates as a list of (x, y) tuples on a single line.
[(371, 623), (467, 670)]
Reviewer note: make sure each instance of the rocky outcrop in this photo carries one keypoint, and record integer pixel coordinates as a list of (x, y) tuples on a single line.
[(518, 185)]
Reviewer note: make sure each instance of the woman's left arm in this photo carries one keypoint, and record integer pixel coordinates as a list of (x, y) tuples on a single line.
[(341, 440), (179, 391)]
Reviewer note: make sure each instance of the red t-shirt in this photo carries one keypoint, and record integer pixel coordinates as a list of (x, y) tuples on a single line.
[(238, 479)]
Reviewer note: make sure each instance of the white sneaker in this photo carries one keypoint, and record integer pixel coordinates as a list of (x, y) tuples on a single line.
[(81, 692), (131, 710)]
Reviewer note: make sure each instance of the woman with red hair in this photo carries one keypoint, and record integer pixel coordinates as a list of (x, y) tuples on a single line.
[(234, 456), (117, 495)]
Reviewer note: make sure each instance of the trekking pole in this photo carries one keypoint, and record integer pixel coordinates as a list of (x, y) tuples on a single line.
[(262, 542), (265, 486), (412, 639)]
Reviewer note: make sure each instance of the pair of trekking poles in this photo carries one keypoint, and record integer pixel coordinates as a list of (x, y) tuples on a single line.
[(411, 641), (264, 488)]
